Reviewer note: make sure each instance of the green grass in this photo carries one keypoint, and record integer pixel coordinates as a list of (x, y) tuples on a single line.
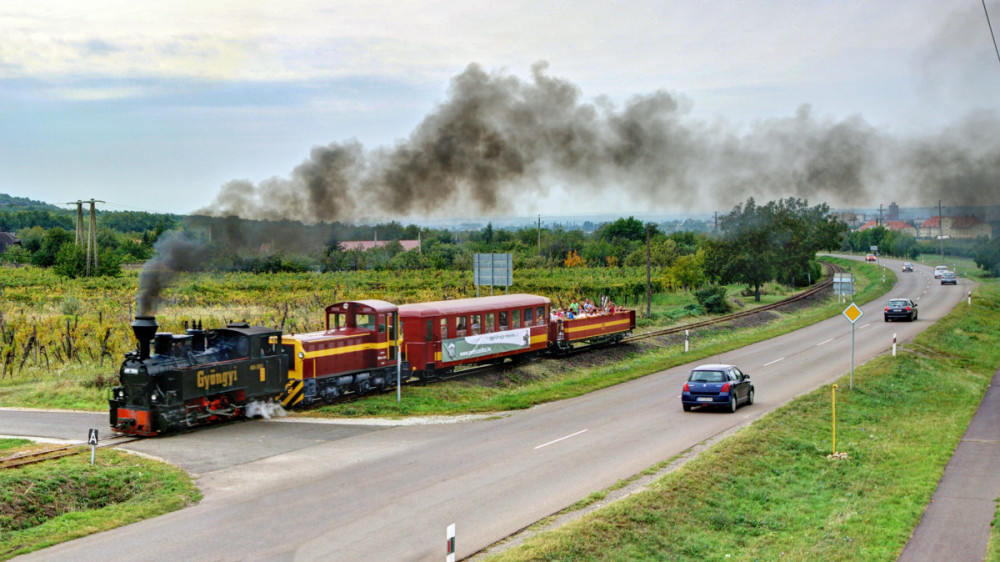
[(770, 491), (56, 501)]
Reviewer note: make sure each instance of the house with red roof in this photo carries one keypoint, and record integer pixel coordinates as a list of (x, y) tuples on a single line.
[(955, 227), (895, 226), (365, 245)]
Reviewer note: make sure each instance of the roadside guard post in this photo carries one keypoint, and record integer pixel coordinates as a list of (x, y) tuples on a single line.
[(833, 394), (853, 313), (450, 557), (92, 441), (894, 345)]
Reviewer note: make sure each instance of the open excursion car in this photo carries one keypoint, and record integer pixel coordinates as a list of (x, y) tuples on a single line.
[(717, 385)]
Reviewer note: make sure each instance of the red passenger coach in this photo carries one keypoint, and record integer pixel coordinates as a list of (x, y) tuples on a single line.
[(356, 353), (595, 329), (441, 335)]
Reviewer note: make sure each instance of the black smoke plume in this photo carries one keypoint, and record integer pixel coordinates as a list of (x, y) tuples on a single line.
[(174, 254), (498, 143)]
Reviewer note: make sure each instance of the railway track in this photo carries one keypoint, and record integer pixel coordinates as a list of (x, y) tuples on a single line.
[(31, 457), (811, 292)]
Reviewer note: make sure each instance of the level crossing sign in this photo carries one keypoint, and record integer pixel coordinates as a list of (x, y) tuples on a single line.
[(92, 438)]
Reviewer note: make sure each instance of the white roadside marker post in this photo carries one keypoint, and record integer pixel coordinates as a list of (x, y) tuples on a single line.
[(450, 557), (894, 345)]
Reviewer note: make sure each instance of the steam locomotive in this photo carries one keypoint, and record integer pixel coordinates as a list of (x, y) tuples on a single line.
[(196, 378), (202, 376)]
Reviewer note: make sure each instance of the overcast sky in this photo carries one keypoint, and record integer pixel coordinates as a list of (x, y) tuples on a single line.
[(185, 105)]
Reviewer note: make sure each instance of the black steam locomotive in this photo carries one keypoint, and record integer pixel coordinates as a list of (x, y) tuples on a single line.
[(196, 378)]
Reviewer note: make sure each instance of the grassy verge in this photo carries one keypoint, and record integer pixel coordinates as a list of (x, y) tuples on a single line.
[(770, 491), (550, 380), (55, 501)]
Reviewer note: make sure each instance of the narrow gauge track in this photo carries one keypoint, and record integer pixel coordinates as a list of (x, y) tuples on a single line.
[(810, 292), (22, 459)]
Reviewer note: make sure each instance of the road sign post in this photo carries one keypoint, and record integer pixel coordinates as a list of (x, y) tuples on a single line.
[(833, 394), (92, 441), (853, 314)]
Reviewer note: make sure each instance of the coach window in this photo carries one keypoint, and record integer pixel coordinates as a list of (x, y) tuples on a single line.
[(460, 327), (444, 328), (540, 316), (430, 330), (527, 317), (489, 323), (475, 324), (502, 318), (516, 317)]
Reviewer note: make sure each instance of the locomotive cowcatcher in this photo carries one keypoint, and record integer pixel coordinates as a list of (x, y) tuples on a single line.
[(195, 378)]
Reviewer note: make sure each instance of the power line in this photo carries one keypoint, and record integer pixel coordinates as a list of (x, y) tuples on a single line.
[(992, 35)]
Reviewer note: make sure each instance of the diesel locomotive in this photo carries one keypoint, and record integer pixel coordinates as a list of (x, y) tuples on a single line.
[(196, 378)]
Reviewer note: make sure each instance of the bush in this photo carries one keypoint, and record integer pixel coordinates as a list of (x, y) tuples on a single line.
[(713, 299)]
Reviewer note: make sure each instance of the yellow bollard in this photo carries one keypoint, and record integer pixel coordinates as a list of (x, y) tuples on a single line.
[(833, 393)]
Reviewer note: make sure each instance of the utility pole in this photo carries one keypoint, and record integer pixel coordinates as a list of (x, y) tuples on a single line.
[(940, 230), (649, 292), (539, 234), (91, 244), (881, 216)]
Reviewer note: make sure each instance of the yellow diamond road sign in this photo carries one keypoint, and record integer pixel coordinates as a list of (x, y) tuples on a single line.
[(853, 313)]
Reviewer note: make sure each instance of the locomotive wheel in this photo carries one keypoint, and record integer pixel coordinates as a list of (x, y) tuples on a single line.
[(363, 388)]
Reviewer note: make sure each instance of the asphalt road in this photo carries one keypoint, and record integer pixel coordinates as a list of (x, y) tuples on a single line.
[(292, 491)]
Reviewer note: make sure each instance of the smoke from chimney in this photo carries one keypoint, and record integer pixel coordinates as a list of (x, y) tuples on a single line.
[(173, 254)]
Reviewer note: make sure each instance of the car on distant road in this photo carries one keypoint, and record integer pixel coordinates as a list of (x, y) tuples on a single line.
[(901, 308), (717, 385), (949, 278), (870, 257), (939, 270), (907, 266)]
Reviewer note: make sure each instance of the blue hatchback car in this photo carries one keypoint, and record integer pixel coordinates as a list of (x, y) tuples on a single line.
[(717, 385)]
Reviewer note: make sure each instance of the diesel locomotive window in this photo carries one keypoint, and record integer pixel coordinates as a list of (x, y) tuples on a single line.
[(365, 321), (516, 317), (527, 316), (381, 325), (390, 320), (502, 317), (475, 324), (430, 330), (489, 323)]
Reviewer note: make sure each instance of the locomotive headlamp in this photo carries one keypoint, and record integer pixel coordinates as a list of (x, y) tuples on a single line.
[(301, 355), (153, 398)]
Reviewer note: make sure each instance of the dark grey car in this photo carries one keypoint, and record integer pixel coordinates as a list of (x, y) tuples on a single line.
[(899, 309)]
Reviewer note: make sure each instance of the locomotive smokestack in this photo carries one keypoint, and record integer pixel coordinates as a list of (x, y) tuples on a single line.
[(144, 329)]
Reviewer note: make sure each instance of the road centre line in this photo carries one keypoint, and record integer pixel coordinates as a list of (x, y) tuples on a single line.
[(823, 342), (773, 362), (560, 439)]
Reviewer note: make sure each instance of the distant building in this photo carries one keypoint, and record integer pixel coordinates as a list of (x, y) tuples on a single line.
[(893, 213), (895, 226), (7, 239), (955, 227), (365, 245)]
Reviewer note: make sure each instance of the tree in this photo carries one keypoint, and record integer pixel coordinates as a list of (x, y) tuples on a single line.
[(745, 253), (986, 254), (573, 259), (52, 242)]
